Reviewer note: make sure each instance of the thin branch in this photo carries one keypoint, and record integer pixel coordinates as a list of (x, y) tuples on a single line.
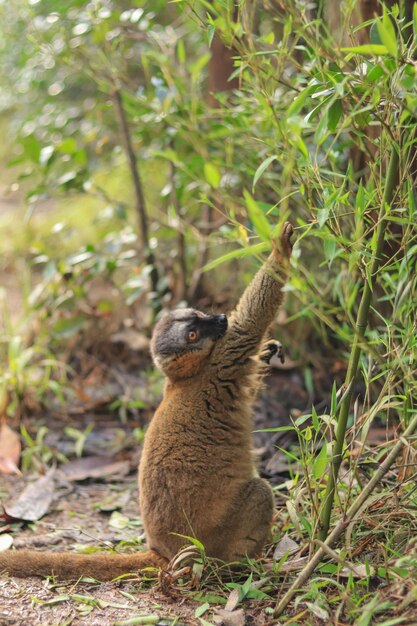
[(182, 256), (342, 525), (140, 204), (202, 255)]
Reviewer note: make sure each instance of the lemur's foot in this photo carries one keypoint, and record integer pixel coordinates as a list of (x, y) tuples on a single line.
[(285, 239), (269, 349)]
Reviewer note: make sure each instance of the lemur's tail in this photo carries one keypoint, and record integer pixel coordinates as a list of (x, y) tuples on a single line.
[(69, 566)]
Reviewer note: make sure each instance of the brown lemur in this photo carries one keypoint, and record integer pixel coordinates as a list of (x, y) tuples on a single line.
[(196, 475)]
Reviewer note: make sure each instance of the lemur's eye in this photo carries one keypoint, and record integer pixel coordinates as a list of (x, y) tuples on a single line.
[(192, 335)]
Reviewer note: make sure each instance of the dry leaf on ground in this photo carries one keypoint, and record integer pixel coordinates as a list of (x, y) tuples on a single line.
[(93, 467), (285, 546), (230, 618), (34, 501), (9, 450), (5, 542)]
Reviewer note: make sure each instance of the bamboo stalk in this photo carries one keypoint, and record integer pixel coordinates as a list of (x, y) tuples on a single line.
[(341, 526), (361, 324)]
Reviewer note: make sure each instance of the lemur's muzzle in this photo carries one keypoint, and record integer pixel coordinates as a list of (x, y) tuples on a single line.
[(221, 324)]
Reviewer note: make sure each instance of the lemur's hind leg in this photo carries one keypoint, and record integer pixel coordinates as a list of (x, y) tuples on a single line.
[(269, 349), (247, 527)]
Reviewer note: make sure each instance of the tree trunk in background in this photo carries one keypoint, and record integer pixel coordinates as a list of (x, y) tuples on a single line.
[(219, 70)]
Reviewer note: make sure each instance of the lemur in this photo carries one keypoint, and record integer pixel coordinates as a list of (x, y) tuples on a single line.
[(197, 475)]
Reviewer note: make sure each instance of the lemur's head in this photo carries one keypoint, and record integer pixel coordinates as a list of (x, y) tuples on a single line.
[(183, 340)]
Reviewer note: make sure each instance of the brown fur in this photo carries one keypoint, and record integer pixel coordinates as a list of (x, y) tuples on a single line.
[(196, 475)]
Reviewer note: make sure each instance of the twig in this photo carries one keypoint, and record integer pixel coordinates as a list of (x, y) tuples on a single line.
[(341, 526), (361, 324), (182, 258), (138, 190), (202, 256)]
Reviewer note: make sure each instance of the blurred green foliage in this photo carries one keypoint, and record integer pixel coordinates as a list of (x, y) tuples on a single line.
[(306, 136)]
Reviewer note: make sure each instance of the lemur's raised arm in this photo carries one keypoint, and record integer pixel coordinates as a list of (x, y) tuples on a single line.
[(249, 322)]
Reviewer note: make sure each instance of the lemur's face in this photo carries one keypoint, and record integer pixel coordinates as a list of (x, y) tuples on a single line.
[(183, 339)]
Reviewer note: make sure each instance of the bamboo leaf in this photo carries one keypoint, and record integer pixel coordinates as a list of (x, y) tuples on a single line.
[(333, 115), (415, 21), (299, 101), (320, 462), (212, 175), (263, 166), (237, 254), (211, 29), (257, 217), (371, 49), (386, 31)]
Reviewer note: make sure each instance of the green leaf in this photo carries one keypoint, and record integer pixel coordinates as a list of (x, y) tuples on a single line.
[(333, 115), (360, 200), (211, 29), (52, 601), (263, 166), (192, 540), (374, 73), (299, 101), (315, 419), (320, 462), (333, 405), (200, 610), (323, 216), (415, 20), (412, 204), (301, 146), (374, 37), (237, 254), (314, 112), (181, 55), (386, 31), (330, 250), (257, 217), (31, 147), (212, 175), (373, 50)]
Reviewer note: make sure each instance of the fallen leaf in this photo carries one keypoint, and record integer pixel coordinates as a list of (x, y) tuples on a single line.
[(93, 467), (357, 570), (34, 501), (229, 618), (233, 600), (119, 521), (285, 546), (290, 566), (115, 500), (5, 542), (9, 450), (318, 611)]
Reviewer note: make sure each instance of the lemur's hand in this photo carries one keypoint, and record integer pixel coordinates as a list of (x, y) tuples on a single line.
[(284, 242), (270, 348)]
